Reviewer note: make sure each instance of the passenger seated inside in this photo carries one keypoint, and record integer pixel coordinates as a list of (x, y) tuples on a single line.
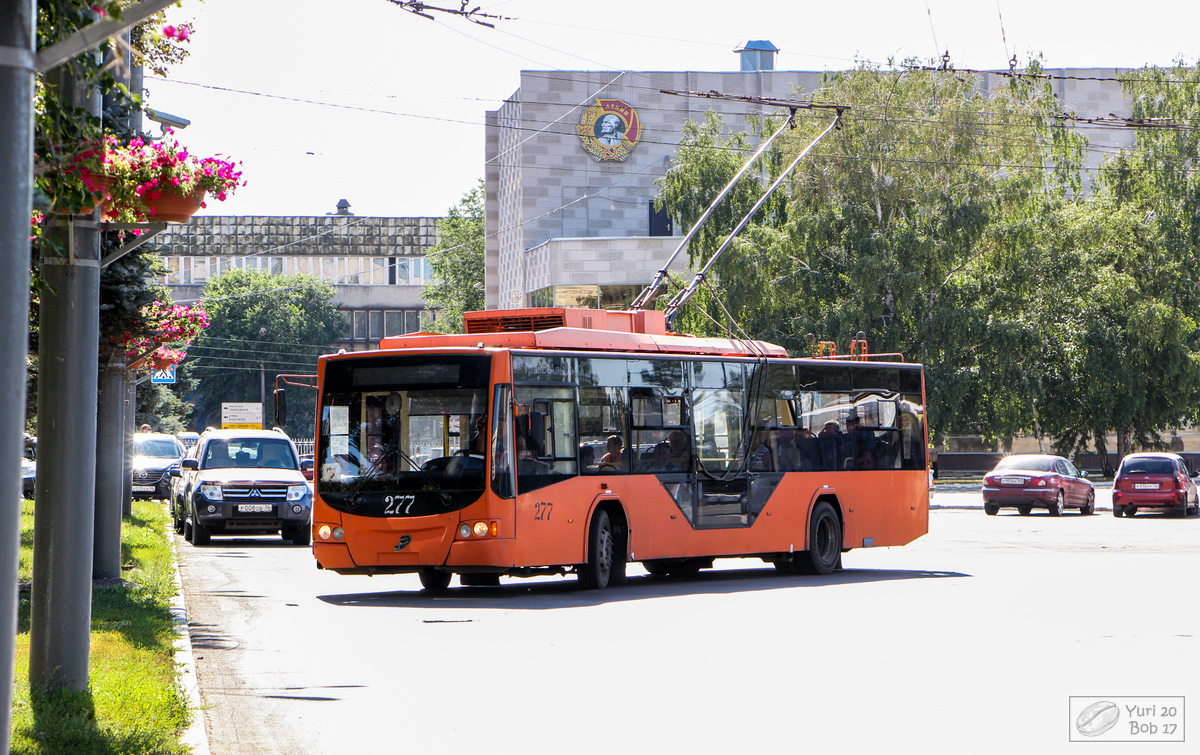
[(655, 460), (614, 459), (761, 457), (587, 460), (679, 456)]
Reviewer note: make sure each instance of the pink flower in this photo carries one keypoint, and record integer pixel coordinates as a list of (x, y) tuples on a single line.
[(178, 33)]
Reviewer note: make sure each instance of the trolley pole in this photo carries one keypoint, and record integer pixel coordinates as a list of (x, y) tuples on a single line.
[(17, 37)]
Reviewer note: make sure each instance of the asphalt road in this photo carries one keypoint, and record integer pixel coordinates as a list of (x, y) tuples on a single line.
[(974, 637)]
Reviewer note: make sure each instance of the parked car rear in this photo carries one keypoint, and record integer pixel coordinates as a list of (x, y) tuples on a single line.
[(1154, 482), (1029, 481)]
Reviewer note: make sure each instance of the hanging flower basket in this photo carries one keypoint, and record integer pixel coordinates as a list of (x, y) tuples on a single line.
[(172, 205), (159, 181)]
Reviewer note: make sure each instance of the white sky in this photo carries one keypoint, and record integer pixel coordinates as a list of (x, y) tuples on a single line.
[(434, 80)]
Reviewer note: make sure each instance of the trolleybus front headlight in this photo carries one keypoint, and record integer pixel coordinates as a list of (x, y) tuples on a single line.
[(325, 532)]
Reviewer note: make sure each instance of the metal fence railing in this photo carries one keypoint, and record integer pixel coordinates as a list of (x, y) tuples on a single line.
[(304, 445)]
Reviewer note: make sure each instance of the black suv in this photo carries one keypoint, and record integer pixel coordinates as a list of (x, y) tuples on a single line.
[(239, 481), (154, 456)]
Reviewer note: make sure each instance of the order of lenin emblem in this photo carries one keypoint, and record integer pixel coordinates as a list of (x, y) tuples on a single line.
[(609, 130)]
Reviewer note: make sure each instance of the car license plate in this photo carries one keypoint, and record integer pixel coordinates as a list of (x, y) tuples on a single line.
[(255, 508), (1145, 486), (1012, 480), (143, 488)]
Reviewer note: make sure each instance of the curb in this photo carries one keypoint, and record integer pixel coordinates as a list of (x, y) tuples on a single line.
[(196, 735)]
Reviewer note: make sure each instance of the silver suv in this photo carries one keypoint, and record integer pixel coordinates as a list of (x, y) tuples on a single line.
[(238, 481)]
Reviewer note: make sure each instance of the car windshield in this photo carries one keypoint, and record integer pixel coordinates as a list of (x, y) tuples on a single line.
[(158, 448), (1027, 463), (1148, 466), (272, 453)]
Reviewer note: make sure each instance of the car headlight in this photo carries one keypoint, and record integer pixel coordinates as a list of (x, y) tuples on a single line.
[(211, 492), (297, 492)]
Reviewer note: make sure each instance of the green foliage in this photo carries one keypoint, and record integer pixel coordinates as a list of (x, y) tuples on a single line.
[(457, 263), (262, 325), (133, 704), (873, 231)]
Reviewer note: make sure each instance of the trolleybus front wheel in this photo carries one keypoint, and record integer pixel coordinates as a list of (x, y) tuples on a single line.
[(603, 563), (434, 579)]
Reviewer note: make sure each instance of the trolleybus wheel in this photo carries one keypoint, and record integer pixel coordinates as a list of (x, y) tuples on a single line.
[(824, 542), (434, 579), (598, 571)]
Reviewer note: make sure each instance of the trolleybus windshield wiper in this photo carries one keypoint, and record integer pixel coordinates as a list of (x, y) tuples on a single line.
[(370, 472)]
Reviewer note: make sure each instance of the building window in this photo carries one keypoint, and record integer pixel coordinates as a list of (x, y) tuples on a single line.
[(393, 323)]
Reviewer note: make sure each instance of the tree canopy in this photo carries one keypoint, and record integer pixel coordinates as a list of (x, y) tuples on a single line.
[(260, 326), (945, 220), (457, 263)]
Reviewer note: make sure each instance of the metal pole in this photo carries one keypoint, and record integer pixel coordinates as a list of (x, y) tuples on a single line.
[(64, 519), (110, 464), (110, 420), (130, 427), (16, 206)]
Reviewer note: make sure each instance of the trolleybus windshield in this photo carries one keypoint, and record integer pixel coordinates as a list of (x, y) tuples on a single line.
[(397, 434)]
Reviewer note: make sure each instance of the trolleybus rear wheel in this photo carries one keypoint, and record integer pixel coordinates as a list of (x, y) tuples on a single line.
[(824, 542)]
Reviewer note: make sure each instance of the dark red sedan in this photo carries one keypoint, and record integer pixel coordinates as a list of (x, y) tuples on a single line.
[(1043, 481), (1154, 481)]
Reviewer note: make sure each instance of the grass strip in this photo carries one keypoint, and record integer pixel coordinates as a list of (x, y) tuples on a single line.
[(134, 703)]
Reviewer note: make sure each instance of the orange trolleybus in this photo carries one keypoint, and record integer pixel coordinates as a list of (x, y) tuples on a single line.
[(555, 441)]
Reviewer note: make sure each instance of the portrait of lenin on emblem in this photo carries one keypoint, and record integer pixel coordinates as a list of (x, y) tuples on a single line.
[(609, 129)]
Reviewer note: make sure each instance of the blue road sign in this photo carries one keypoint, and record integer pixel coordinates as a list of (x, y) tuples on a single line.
[(163, 376)]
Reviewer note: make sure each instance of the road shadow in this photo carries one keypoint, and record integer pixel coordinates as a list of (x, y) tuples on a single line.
[(565, 593)]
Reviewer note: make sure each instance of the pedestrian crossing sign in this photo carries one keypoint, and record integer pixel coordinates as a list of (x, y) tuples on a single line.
[(166, 375)]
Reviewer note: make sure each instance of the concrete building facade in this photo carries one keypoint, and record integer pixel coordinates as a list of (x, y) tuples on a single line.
[(378, 265), (569, 223)]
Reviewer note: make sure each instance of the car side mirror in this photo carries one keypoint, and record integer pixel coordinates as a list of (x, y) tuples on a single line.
[(190, 464), (1196, 474), (174, 472), (1083, 473)]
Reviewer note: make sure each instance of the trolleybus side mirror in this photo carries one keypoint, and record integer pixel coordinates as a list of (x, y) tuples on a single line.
[(280, 407)]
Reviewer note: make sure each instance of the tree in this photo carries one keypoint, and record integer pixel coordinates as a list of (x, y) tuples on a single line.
[(262, 325), (875, 229), (457, 262)]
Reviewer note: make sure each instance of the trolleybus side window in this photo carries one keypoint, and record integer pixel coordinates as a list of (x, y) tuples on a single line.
[(545, 423), (603, 409), (717, 415)]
